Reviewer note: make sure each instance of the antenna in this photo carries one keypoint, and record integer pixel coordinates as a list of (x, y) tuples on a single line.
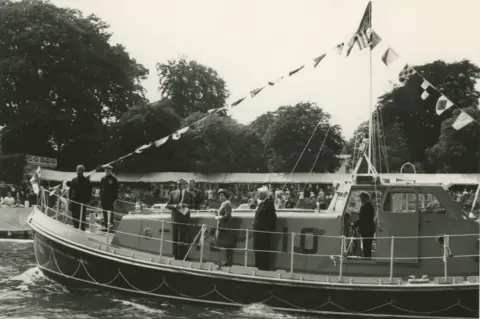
[(370, 118)]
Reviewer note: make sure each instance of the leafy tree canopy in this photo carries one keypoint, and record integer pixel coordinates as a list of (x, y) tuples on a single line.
[(191, 86), (61, 82), (287, 136)]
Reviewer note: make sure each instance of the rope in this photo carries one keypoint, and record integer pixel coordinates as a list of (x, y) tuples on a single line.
[(214, 290)]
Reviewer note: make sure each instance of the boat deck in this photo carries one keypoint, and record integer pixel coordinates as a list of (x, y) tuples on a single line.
[(99, 242)]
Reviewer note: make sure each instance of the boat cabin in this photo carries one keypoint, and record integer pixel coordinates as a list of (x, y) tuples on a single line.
[(411, 221)]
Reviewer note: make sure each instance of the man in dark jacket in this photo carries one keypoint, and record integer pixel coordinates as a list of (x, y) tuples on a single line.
[(108, 195), (264, 223), (199, 198), (366, 224), (180, 201), (80, 193)]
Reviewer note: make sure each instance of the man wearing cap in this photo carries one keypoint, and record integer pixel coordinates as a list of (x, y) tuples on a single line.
[(80, 193), (180, 201), (264, 222), (108, 195), (366, 224)]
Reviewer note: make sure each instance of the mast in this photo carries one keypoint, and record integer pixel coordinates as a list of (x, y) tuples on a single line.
[(370, 119)]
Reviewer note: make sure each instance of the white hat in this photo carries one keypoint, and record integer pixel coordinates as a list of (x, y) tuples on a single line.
[(263, 189)]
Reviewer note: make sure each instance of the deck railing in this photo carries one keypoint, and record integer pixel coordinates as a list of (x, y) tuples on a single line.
[(63, 216)]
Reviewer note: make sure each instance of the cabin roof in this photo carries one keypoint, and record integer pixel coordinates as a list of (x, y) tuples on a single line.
[(260, 178)]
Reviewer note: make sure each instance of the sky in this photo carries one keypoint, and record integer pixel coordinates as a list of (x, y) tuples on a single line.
[(252, 42)]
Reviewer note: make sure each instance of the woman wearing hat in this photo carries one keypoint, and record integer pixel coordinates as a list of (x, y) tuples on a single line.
[(225, 235)]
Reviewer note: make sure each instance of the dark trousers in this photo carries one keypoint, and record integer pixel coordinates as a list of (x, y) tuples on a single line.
[(107, 207), (262, 241), (180, 237), (77, 223), (367, 244)]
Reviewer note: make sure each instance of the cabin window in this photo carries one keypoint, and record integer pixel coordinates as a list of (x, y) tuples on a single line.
[(354, 202), (400, 203), (429, 204)]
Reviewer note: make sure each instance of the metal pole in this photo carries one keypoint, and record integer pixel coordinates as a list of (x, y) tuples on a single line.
[(342, 252), (81, 217), (446, 245), (292, 252), (392, 249), (247, 232), (161, 238), (108, 228), (58, 206), (202, 241)]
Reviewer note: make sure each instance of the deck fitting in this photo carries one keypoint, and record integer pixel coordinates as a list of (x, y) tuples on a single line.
[(328, 279)]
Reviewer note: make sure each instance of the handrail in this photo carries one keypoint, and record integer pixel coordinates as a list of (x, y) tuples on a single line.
[(99, 210), (445, 256)]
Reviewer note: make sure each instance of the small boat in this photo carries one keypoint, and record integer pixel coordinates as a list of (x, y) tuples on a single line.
[(425, 263)]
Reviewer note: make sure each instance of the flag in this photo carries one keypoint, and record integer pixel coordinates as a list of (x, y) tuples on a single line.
[(338, 49), (295, 71), (275, 82), (389, 57), (443, 104), (238, 101), (405, 74), (256, 91), (420, 92), (367, 38), (178, 134), (462, 120), (365, 24), (318, 59), (142, 148), (427, 87), (161, 141)]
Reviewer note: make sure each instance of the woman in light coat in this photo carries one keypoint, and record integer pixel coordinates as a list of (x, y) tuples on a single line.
[(225, 238)]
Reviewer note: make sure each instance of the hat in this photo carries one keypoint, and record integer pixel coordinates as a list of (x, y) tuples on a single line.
[(224, 192), (365, 194), (181, 181), (108, 167), (263, 190)]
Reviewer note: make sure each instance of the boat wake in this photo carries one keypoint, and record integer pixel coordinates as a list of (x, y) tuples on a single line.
[(32, 279), (136, 307)]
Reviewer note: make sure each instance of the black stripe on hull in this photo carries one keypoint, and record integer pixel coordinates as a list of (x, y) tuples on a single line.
[(73, 267)]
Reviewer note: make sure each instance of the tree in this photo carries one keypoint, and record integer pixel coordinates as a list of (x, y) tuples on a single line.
[(417, 117), (61, 82), (261, 124), (287, 136), (219, 144), (141, 125), (191, 86), (457, 151)]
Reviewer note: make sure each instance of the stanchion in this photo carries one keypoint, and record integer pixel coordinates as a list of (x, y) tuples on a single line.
[(392, 256), (446, 250), (81, 217), (342, 253), (202, 242), (108, 228), (247, 232), (292, 253), (161, 238)]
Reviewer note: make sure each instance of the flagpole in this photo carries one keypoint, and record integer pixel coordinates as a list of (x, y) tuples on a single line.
[(370, 119)]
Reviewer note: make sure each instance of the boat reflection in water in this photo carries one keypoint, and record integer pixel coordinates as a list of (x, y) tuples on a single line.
[(425, 264)]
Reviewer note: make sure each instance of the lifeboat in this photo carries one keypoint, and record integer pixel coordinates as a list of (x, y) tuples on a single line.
[(424, 262)]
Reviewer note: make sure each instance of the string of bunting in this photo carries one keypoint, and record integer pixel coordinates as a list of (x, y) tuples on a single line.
[(337, 49), (364, 37)]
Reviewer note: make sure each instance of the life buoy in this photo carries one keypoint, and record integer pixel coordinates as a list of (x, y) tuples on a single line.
[(147, 232)]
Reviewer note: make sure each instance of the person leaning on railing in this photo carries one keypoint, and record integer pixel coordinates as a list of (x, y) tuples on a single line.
[(80, 193), (225, 235)]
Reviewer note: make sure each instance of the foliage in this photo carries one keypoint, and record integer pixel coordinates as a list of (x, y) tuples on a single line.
[(261, 124), (457, 151), (12, 168), (141, 125), (61, 82), (287, 136), (417, 118), (191, 86)]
